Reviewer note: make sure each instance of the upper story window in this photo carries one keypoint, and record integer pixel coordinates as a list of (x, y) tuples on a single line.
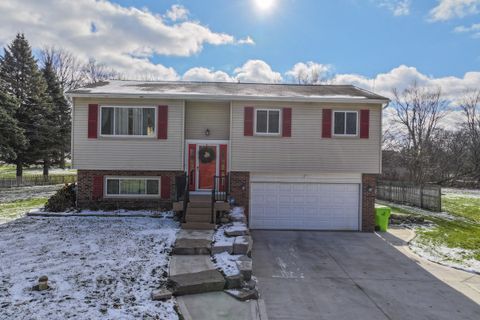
[(128, 121), (267, 121), (345, 123)]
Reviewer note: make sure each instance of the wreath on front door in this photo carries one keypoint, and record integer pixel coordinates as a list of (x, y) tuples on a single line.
[(206, 154)]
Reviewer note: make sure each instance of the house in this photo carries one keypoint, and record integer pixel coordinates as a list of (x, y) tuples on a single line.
[(297, 156)]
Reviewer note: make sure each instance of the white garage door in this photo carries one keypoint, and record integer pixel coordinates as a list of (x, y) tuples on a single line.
[(304, 206)]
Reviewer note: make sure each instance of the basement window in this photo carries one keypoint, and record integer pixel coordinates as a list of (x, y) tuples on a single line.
[(132, 186)]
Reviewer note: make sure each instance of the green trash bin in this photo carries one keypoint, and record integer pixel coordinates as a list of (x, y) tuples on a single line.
[(382, 214)]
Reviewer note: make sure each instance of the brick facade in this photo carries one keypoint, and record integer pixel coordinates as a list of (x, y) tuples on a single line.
[(87, 199), (368, 202), (240, 189)]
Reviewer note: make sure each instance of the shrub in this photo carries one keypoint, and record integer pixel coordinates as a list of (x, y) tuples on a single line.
[(63, 200)]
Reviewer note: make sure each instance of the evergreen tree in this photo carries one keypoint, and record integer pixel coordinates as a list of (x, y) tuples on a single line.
[(24, 81), (12, 137), (60, 114)]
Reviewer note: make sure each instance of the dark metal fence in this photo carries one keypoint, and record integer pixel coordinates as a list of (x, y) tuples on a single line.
[(423, 196), (37, 180)]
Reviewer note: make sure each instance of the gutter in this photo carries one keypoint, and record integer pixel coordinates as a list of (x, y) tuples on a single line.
[(227, 97)]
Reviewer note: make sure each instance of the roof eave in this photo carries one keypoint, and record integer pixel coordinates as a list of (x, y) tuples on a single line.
[(227, 97)]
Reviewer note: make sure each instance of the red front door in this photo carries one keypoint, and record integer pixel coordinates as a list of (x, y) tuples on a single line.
[(207, 165)]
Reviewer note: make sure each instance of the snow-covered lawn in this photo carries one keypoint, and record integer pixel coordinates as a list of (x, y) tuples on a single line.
[(98, 268), (451, 237)]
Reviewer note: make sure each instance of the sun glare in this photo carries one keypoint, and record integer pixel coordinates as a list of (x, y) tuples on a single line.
[(264, 5)]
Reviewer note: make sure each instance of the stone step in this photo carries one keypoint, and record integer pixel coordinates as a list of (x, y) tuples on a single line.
[(181, 264), (192, 246), (199, 225), (202, 204), (202, 210), (200, 198), (198, 218), (198, 282)]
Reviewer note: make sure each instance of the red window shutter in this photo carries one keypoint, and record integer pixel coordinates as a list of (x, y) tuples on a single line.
[(364, 123), (92, 121), (327, 123), (97, 187), (286, 122), (162, 123), (248, 121), (192, 159), (165, 188)]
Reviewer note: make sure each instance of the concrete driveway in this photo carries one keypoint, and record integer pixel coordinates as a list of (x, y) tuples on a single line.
[(342, 275)]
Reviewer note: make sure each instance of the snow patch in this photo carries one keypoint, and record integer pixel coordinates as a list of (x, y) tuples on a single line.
[(452, 257), (227, 263), (97, 267)]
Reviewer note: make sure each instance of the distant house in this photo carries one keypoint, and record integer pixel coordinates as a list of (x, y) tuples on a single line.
[(297, 156)]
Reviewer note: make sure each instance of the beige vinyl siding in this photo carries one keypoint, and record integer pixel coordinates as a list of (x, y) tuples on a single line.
[(214, 116), (127, 153), (306, 150)]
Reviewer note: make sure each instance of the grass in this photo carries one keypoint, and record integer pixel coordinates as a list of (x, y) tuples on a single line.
[(462, 206), (459, 233), (14, 209), (8, 171)]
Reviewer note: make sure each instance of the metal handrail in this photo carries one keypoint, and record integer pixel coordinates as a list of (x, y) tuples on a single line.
[(186, 198), (217, 193)]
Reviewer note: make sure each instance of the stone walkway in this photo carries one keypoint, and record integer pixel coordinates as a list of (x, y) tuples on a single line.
[(204, 291)]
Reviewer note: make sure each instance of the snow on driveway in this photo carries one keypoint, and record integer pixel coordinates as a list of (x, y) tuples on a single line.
[(97, 267)]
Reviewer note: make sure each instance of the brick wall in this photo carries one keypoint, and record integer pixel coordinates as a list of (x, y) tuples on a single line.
[(368, 202), (86, 199), (240, 188)]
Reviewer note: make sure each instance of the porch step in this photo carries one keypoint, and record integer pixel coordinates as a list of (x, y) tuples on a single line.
[(199, 225), (200, 198), (202, 210), (198, 282), (199, 204), (185, 246), (198, 217)]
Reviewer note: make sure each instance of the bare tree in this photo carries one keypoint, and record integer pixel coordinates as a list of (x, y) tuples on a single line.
[(66, 66), (418, 111), (310, 73), (470, 106), (94, 72)]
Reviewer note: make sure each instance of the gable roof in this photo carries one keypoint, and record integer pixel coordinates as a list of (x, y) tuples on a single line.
[(227, 91)]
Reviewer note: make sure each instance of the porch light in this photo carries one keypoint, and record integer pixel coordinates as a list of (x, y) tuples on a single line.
[(207, 132)]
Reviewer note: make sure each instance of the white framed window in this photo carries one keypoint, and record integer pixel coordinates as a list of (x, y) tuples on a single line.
[(267, 121), (132, 187), (345, 123), (128, 121)]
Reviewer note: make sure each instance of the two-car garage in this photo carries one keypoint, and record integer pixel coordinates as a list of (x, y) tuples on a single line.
[(305, 202)]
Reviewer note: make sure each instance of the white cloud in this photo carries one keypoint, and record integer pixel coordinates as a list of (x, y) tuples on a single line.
[(453, 88), (397, 7), (257, 71), (309, 72), (474, 30), (247, 40), (204, 74), (449, 9), (177, 12), (124, 38)]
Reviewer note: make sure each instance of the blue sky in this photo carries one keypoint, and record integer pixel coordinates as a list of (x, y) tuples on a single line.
[(374, 44), (354, 36)]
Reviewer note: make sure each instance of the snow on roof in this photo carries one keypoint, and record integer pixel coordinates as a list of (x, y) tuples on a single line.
[(227, 90)]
